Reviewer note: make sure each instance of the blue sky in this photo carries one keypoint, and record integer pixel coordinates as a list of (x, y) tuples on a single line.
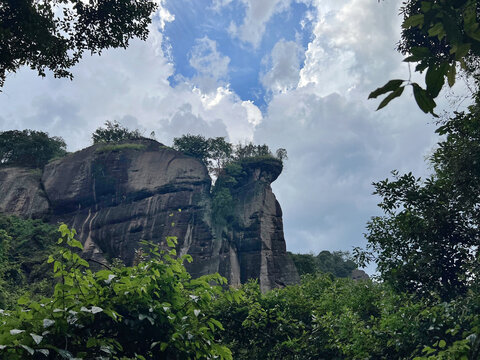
[(289, 73), (247, 61)]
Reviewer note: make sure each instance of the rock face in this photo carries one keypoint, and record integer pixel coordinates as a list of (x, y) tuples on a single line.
[(21, 192), (116, 196), (255, 244)]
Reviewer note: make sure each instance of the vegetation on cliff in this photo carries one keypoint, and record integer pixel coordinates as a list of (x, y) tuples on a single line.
[(154, 310), (229, 165), (113, 132), (29, 148)]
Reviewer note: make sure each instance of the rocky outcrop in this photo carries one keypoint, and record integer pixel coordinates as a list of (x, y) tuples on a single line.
[(255, 244), (359, 275), (21, 192), (116, 196)]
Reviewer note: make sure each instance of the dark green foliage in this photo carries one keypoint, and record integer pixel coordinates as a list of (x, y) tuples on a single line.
[(222, 203), (153, 310), (220, 152), (251, 150), (29, 148), (338, 263), (325, 318), (55, 34), (425, 242), (438, 36), (193, 145), (24, 249), (216, 153), (114, 132)]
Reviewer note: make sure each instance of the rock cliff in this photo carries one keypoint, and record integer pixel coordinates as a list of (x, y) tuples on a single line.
[(117, 195)]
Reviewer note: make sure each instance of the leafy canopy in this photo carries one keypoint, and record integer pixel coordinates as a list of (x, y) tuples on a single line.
[(427, 242), (216, 153), (29, 148), (440, 36), (53, 35), (114, 132)]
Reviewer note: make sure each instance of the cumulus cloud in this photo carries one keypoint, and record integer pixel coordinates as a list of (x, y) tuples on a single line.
[(257, 15), (352, 46), (184, 121), (284, 67), (210, 64), (124, 85), (337, 148)]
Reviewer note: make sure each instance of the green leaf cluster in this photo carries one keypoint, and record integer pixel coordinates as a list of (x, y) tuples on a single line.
[(24, 248), (153, 310), (441, 37), (326, 318)]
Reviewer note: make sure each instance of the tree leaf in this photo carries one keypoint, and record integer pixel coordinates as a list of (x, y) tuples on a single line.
[(390, 97), (435, 78), (423, 99), (452, 72), (392, 85), (414, 20)]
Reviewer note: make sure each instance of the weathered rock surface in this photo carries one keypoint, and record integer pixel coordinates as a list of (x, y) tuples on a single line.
[(21, 192), (117, 196), (358, 274), (256, 243)]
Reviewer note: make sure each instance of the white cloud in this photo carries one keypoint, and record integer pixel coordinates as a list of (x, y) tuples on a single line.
[(353, 46), (284, 67), (258, 13), (163, 15), (219, 4), (210, 64), (123, 85), (337, 148)]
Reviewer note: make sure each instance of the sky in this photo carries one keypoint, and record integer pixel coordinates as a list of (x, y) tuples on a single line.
[(294, 74)]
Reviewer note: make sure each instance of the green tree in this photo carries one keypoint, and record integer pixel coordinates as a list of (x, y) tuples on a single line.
[(55, 34), (426, 241), (251, 150), (337, 263), (24, 248), (114, 132), (29, 148), (281, 154), (219, 152), (439, 36), (193, 145)]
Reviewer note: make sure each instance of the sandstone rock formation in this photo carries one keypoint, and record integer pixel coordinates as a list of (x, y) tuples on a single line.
[(116, 196)]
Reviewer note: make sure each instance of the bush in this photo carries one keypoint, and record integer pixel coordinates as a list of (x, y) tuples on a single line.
[(151, 310)]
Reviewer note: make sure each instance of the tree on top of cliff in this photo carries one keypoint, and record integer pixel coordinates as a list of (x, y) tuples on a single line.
[(114, 132), (29, 148), (193, 145), (54, 34), (216, 153)]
